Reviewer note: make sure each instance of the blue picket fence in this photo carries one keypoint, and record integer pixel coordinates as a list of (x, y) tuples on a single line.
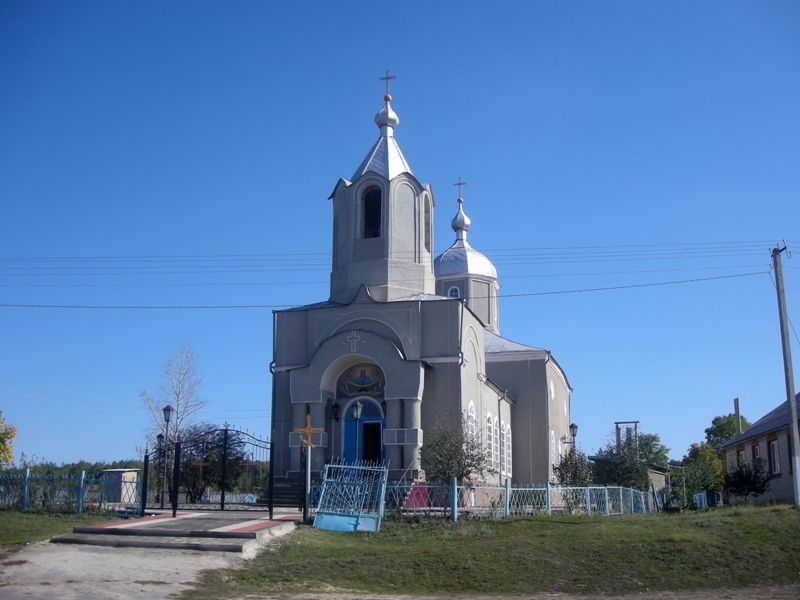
[(76, 494), (486, 502)]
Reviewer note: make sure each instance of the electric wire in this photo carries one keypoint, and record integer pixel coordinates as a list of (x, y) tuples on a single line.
[(263, 306)]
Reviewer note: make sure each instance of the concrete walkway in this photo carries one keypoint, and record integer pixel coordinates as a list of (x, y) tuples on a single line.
[(155, 557)]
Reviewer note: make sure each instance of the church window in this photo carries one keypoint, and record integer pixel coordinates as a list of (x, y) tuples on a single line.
[(503, 443), (427, 224), (371, 201), (471, 424), (490, 439), (454, 292), (508, 450), (496, 452)]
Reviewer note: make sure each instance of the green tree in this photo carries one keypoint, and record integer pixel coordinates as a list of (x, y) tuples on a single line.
[(201, 459), (651, 450), (700, 470), (621, 466), (746, 480), (574, 469), (723, 428), (454, 452), (7, 435)]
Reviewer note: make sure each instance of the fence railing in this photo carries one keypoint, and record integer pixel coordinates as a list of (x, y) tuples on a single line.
[(67, 494), (486, 502)]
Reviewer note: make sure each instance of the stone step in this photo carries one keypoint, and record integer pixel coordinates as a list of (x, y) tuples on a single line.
[(245, 542), (206, 544), (159, 532)]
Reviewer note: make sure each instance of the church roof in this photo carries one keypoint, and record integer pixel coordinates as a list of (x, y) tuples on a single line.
[(775, 419), (385, 157), (461, 258), (494, 343)]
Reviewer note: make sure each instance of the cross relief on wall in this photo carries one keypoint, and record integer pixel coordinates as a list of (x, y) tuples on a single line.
[(353, 339)]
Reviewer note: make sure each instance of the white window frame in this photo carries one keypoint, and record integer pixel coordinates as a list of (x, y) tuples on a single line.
[(471, 424), (456, 289), (497, 444), (774, 457), (508, 450), (502, 448), (489, 438)]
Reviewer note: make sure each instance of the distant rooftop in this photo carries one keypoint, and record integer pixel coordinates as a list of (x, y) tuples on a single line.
[(775, 419)]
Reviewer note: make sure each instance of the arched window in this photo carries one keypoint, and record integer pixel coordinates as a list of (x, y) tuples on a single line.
[(471, 424), (454, 292), (371, 202), (508, 450), (496, 452), (489, 439), (503, 443), (427, 224)]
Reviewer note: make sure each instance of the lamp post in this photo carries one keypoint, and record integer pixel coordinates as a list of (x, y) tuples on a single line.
[(357, 408), (167, 416), (573, 431), (160, 439)]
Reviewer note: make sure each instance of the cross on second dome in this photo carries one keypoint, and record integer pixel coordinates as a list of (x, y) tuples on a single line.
[(387, 78), (459, 184)]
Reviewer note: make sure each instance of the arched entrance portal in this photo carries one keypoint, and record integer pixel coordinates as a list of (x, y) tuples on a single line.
[(360, 391), (363, 437)]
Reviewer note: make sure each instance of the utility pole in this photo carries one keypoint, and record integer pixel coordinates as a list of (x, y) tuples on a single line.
[(788, 374)]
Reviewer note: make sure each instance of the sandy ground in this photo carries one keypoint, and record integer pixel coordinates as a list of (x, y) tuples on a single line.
[(62, 571)]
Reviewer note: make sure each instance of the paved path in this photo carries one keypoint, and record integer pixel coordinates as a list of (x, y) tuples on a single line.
[(64, 571)]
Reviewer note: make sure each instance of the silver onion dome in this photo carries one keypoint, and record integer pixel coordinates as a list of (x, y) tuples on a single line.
[(461, 258), (386, 117)]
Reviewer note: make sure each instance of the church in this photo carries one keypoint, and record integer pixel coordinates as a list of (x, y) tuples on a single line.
[(409, 342)]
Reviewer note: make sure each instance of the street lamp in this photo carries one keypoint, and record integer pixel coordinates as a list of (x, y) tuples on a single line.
[(160, 439), (167, 416), (573, 431), (357, 408)]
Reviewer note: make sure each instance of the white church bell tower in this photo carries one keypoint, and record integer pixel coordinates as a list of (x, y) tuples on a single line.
[(382, 223)]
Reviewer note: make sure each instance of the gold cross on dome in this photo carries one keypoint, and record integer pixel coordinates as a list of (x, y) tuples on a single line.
[(459, 184), (387, 78), (308, 430)]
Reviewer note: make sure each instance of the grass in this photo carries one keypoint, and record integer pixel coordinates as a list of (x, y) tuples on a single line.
[(19, 527), (731, 547)]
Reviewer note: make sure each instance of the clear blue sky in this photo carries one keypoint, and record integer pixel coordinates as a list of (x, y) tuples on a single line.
[(604, 144)]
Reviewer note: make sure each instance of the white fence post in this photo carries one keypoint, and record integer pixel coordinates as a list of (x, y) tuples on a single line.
[(547, 491)]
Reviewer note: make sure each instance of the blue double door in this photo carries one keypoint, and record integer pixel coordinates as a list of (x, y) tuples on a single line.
[(363, 438)]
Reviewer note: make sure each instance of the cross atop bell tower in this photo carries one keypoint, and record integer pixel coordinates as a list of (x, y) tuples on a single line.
[(383, 222)]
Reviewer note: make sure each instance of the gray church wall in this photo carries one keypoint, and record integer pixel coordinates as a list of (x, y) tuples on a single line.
[(525, 380), (281, 421), (441, 320), (290, 336), (404, 217), (558, 395), (479, 300)]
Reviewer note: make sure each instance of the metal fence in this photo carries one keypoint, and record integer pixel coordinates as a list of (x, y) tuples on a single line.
[(486, 502), (64, 494), (216, 469), (705, 499)]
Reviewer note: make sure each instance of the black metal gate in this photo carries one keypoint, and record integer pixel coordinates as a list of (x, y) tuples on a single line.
[(219, 469)]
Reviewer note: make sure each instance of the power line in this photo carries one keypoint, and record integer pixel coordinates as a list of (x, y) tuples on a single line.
[(262, 306)]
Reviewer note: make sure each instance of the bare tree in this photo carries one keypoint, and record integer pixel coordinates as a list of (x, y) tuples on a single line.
[(180, 388)]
